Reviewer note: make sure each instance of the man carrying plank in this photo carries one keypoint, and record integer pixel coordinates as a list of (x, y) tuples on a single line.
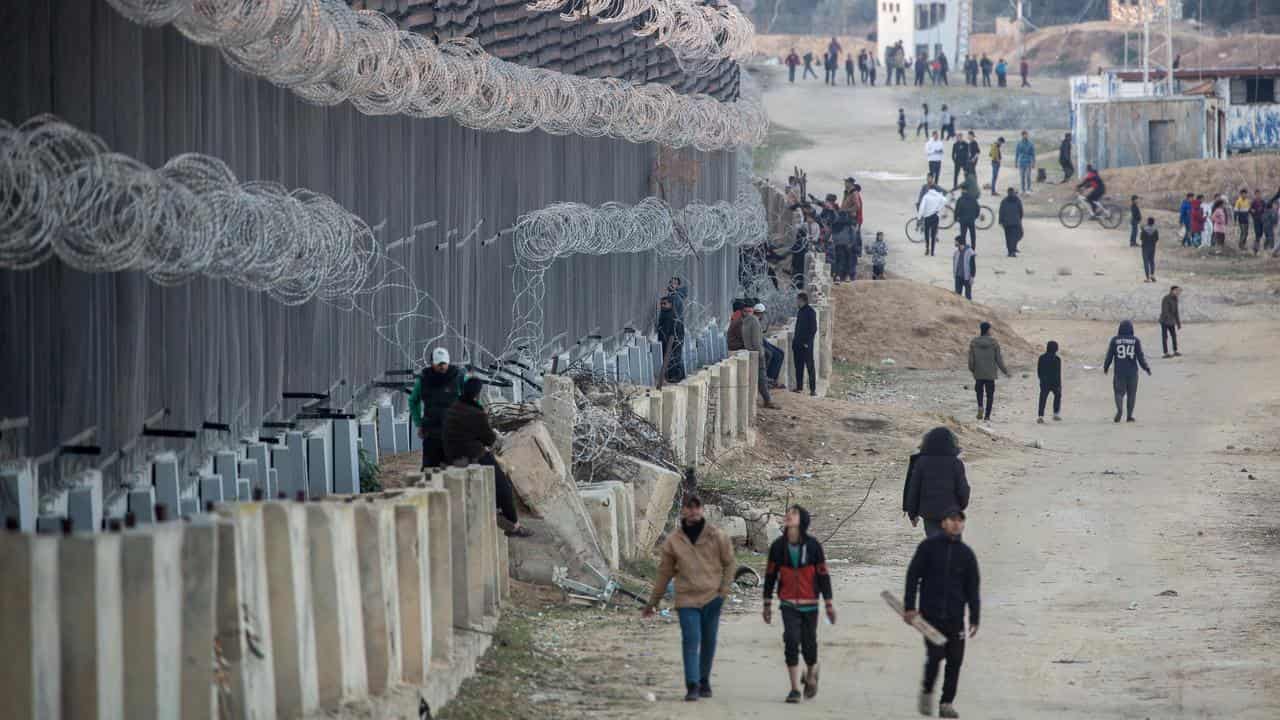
[(944, 571)]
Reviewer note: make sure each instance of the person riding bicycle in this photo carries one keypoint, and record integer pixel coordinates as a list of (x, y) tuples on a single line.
[(1095, 187)]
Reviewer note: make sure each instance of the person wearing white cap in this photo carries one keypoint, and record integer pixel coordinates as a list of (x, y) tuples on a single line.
[(437, 388), (753, 340)]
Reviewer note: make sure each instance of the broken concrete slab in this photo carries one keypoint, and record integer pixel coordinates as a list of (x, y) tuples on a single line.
[(624, 498), (735, 527), (654, 488), (560, 412), (603, 510)]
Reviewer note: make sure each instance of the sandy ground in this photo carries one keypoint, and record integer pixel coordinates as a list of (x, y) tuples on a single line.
[(1079, 538)]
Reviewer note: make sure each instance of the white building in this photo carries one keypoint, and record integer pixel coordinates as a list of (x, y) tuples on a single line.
[(928, 26)]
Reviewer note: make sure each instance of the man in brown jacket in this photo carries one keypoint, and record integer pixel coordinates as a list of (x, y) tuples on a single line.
[(1170, 321), (700, 558)]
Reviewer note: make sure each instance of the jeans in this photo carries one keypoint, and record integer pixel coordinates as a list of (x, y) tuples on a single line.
[(1045, 391), (952, 653), (930, 234), (803, 355), (988, 388), (1149, 259), (1126, 388), (877, 272), (995, 173), (1166, 332), (853, 266), (935, 169), (1024, 174), (698, 628), (1133, 234), (1242, 219), (775, 357), (971, 229), (955, 174), (808, 70), (1068, 170), (964, 287), (800, 634)]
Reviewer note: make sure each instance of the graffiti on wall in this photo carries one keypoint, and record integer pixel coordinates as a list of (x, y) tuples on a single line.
[(1253, 127)]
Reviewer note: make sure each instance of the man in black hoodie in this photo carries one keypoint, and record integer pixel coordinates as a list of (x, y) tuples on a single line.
[(468, 437), (671, 338), (1064, 158), (797, 567), (802, 339), (944, 571), (1050, 371), (1125, 351), (959, 158), (436, 389), (935, 481)]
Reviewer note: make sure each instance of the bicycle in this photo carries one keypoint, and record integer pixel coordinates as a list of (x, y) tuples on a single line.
[(947, 219), (1074, 213)]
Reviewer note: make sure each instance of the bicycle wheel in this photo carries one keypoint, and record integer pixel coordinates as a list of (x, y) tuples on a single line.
[(1112, 216), (915, 231), (946, 217), (986, 218), (1071, 215)]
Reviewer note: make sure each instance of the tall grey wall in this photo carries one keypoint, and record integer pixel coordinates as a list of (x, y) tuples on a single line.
[(79, 349)]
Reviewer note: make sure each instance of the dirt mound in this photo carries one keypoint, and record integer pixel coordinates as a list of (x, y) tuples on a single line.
[(916, 325), (1164, 186)]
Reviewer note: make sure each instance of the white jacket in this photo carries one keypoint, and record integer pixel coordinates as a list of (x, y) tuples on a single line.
[(934, 151), (931, 204)]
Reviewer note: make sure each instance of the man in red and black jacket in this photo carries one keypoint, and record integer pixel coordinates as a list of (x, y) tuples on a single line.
[(798, 569)]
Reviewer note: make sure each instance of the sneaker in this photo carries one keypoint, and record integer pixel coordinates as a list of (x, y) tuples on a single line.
[(979, 414), (946, 710), (1118, 416), (1131, 419), (1057, 418), (692, 695), (811, 683), (793, 697), (704, 689), (924, 703), (1165, 356), (1040, 420), (1177, 354)]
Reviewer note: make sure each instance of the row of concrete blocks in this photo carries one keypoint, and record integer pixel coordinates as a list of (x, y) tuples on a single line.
[(638, 363), (259, 610)]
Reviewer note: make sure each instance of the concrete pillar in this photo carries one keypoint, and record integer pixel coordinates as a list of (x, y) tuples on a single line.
[(560, 413), (674, 405), (504, 568), (198, 624), (296, 443), (190, 506), (754, 362), (257, 452), (369, 440), (225, 467), (293, 636), (729, 394), (746, 391), (245, 491), (635, 370), (248, 479), (484, 486), (243, 609), (335, 596), (346, 458), (282, 460), (84, 507), (467, 610), (624, 500), (695, 419), (654, 489), (413, 571), (30, 683), (164, 476), (655, 409), (18, 493), (152, 580), (89, 625), (317, 470), (273, 483), (386, 429), (788, 376), (376, 552), (440, 528), (210, 489), (402, 436), (142, 503), (604, 517), (599, 364)]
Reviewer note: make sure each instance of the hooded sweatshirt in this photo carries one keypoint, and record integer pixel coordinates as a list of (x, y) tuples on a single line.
[(985, 358), (1149, 236), (1125, 351), (1049, 368), (798, 572), (936, 481)]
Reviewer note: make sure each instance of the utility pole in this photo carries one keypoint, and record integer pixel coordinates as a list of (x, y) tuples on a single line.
[(1168, 45), (1145, 9), (1017, 24)]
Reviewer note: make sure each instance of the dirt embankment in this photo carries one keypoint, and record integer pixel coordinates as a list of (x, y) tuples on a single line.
[(1164, 186), (915, 325)]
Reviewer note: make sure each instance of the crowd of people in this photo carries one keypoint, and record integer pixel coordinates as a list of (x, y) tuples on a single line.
[(831, 226), (897, 64)]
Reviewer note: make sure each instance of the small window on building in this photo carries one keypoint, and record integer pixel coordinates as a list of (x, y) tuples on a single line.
[(1253, 91)]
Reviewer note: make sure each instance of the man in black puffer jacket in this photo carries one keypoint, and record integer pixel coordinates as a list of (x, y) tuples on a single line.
[(936, 481), (944, 572), (437, 388)]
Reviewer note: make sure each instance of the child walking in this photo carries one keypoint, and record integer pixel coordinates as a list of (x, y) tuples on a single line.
[(879, 254), (798, 569), (1050, 371)]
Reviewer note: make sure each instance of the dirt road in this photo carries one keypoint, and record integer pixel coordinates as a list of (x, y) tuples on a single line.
[(1078, 539)]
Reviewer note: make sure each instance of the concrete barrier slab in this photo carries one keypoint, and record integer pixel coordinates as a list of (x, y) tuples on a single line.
[(18, 493), (226, 466), (30, 680), (90, 626), (318, 485), (467, 610), (164, 477), (413, 571), (386, 429), (293, 637), (369, 440), (604, 518), (259, 454), (674, 424), (151, 563), (346, 457), (199, 620), (243, 609), (336, 598), (376, 552)]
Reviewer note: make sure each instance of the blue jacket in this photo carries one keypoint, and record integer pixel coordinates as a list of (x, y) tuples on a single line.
[(1025, 153), (1184, 213)]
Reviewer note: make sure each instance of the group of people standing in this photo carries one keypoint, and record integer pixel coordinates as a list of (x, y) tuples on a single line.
[(1247, 212), (897, 64), (973, 66), (833, 227)]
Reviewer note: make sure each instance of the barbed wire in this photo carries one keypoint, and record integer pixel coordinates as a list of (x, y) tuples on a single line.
[(327, 54), (699, 35)]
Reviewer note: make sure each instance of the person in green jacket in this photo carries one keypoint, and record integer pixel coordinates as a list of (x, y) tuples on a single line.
[(437, 388), (985, 360)]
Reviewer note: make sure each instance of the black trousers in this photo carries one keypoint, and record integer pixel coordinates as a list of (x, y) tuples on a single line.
[(1068, 170), (955, 174), (1126, 390), (432, 451), (1045, 390), (1149, 259), (930, 234), (800, 636), (803, 355), (935, 169), (1167, 331), (970, 228), (964, 287), (1012, 234), (506, 494), (952, 653), (987, 387)]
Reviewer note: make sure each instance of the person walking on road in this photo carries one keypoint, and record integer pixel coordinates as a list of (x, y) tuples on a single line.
[(797, 568), (1024, 70), (1010, 218), (942, 581), (1002, 73), (808, 67), (1049, 371), (1197, 219), (967, 212), (1257, 209), (802, 339), (935, 481), (1125, 351), (1184, 218), (924, 121), (1025, 156), (436, 390), (699, 557), (934, 150), (927, 215), (985, 359), (1170, 321), (1064, 158), (964, 266), (902, 124), (1150, 236), (848, 69), (975, 152), (792, 62), (879, 257)]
